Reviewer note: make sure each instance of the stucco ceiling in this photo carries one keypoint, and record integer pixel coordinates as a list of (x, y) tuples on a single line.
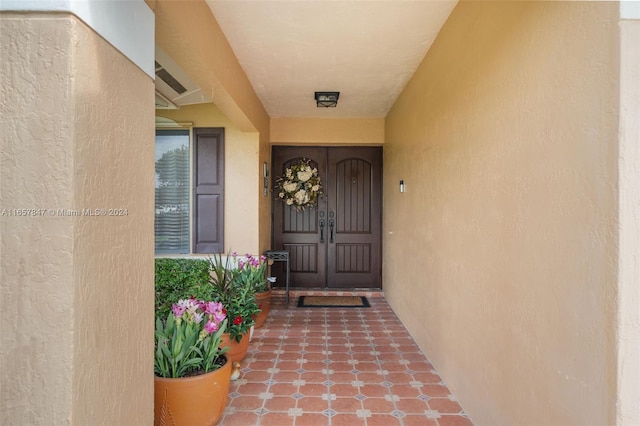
[(366, 50)]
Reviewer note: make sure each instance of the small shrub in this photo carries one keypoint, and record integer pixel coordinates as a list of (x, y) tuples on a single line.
[(177, 279)]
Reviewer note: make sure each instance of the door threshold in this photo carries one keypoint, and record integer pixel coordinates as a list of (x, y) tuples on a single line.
[(299, 291)]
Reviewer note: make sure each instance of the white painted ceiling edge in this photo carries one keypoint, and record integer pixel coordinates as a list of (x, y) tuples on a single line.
[(630, 9), (366, 50)]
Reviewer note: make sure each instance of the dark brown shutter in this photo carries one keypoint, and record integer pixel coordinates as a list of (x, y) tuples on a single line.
[(208, 182)]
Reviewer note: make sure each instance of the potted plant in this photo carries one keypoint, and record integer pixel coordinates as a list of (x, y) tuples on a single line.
[(251, 272), (239, 303), (192, 374)]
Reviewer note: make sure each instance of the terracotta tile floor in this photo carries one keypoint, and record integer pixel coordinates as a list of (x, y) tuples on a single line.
[(338, 366)]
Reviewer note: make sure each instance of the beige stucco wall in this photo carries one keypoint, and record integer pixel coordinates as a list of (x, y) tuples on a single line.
[(243, 171), (629, 220), (501, 255), (264, 204), (77, 291), (327, 131)]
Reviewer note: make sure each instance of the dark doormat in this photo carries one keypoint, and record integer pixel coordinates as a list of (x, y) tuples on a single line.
[(333, 302)]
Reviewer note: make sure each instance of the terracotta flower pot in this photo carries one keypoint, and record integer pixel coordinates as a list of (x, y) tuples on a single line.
[(197, 400), (237, 351), (264, 303)]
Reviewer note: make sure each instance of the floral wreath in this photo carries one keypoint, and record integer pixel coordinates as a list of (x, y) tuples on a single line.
[(300, 186)]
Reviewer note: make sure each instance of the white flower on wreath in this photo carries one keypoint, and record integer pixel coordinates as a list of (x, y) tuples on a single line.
[(301, 197), (305, 175), (289, 186)]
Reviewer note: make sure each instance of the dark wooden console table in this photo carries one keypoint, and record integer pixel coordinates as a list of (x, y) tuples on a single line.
[(280, 256)]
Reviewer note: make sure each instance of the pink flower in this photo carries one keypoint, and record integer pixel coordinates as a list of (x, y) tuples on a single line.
[(219, 316), (177, 310), (192, 309), (211, 327), (212, 307)]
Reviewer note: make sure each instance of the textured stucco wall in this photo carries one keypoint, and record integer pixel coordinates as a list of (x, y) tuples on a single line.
[(243, 182), (264, 205), (629, 219), (36, 262), (77, 291), (506, 138), (352, 131)]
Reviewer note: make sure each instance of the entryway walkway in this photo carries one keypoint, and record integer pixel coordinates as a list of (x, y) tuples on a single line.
[(338, 366)]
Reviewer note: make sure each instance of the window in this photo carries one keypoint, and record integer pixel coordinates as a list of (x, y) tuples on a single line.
[(172, 191), (184, 223)]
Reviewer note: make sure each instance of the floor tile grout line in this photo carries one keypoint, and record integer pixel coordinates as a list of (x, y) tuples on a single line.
[(381, 370), (271, 380), (325, 315), (362, 320), (393, 401), (306, 329), (273, 369)]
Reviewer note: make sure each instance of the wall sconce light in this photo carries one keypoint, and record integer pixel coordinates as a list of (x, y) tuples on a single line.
[(401, 185), (265, 179), (327, 99)]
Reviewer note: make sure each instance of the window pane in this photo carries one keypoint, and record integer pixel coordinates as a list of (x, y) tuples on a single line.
[(172, 191)]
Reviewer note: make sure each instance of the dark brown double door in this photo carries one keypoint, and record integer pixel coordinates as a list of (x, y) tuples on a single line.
[(336, 244)]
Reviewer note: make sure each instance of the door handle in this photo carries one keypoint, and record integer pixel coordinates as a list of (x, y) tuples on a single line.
[(331, 222), (322, 230)]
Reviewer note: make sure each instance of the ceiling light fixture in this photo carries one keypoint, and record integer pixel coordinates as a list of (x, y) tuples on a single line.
[(327, 99)]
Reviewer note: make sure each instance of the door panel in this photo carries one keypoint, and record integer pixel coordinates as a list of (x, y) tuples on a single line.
[(345, 252), (298, 232), (354, 199)]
